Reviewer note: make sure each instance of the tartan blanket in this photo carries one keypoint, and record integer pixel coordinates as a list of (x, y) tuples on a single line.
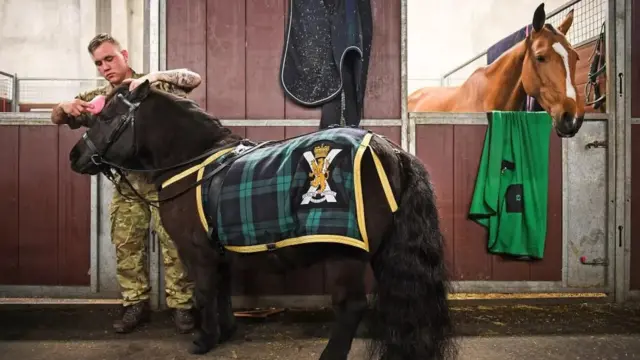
[(300, 190)]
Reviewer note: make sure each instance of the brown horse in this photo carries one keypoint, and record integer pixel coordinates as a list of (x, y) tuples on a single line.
[(543, 66)]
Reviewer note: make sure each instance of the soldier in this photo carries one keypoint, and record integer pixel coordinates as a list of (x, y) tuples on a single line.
[(130, 218)]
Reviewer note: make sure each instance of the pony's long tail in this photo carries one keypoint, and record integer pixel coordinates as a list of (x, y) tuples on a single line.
[(410, 317)]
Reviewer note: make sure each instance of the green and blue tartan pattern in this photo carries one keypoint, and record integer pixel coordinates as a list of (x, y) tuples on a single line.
[(259, 202)]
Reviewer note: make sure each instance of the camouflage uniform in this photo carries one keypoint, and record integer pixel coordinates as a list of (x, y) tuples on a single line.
[(129, 228)]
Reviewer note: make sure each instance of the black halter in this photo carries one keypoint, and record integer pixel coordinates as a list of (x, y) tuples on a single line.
[(129, 119)]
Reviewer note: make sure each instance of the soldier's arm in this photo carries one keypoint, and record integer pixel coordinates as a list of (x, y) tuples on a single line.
[(58, 116), (182, 78), (69, 112)]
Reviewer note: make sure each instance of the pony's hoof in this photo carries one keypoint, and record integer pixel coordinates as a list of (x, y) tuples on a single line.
[(200, 347)]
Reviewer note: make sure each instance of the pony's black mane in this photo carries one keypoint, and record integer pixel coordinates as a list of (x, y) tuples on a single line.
[(186, 105)]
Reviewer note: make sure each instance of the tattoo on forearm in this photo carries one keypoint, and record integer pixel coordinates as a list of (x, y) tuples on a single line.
[(181, 77)]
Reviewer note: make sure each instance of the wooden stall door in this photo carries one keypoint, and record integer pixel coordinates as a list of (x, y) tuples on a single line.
[(45, 211), (635, 146)]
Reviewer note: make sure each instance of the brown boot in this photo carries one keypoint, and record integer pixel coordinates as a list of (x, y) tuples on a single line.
[(132, 316), (183, 319)]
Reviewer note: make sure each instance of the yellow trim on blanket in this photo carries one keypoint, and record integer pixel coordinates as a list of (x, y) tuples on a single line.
[(191, 170), (209, 160), (388, 192), (308, 239), (357, 178)]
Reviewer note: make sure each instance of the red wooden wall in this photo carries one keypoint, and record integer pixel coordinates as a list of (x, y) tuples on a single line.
[(635, 146), (45, 208), (236, 47)]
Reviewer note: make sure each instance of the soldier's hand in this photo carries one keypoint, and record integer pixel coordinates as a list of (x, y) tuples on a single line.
[(75, 107), (134, 83)]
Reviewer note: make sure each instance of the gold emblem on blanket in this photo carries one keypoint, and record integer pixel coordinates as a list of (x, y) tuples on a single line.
[(319, 162)]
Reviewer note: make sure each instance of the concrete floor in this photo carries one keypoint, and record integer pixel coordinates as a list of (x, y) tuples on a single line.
[(600, 331)]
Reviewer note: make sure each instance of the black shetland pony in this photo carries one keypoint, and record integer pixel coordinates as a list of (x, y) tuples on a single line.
[(162, 135)]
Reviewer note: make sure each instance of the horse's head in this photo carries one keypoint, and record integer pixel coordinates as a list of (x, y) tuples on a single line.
[(111, 133), (548, 73), (145, 129)]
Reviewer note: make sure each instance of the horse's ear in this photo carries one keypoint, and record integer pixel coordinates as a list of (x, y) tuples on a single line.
[(539, 18), (140, 92), (566, 23)]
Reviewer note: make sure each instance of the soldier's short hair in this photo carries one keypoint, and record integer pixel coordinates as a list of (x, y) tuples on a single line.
[(99, 40)]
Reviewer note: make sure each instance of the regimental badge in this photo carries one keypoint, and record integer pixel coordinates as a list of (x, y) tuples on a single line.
[(319, 162)]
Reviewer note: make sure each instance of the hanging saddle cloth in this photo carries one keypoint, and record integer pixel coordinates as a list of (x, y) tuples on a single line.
[(318, 36)]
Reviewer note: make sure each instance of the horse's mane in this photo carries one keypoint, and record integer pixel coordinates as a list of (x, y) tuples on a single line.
[(186, 105)]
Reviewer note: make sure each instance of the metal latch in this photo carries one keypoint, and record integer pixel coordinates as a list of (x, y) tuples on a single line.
[(596, 144), (594, 262)]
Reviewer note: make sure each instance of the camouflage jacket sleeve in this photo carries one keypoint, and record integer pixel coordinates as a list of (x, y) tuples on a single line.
[(171, 88), (168, 87), (89, 95), (76, 122)]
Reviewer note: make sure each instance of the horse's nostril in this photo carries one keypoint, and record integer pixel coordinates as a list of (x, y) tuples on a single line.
[(567, 118)]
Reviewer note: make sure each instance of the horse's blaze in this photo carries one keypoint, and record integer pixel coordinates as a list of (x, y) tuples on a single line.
[(564, 54)]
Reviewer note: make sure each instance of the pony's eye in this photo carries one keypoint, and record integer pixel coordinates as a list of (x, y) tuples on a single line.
[(539, 58)]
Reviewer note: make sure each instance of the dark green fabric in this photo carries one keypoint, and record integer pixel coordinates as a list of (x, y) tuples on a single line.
[(510, 197), (260, 199)]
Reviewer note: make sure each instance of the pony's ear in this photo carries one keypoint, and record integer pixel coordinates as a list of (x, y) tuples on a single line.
[(539, 18), (566, 23), (140, 92)]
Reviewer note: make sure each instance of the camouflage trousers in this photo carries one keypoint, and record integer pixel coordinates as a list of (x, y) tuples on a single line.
[(130, 220)]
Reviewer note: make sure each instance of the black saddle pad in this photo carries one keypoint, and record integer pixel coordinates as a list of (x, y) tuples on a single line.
[(319, 36)]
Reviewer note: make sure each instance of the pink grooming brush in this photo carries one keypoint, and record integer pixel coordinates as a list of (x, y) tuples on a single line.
[(96, 105)]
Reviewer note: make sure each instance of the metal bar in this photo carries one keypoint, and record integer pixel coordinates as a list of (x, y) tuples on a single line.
[(446, 75), (459, 287), (620, 232), (146, 36), (6, 74), (59, 79), (610, 51), (626, 156), (303, 122), (406, 132), (15, 101), (13, 291), (162, 35), (93, 237), (420, 118), (151, 11), (472, 118)]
